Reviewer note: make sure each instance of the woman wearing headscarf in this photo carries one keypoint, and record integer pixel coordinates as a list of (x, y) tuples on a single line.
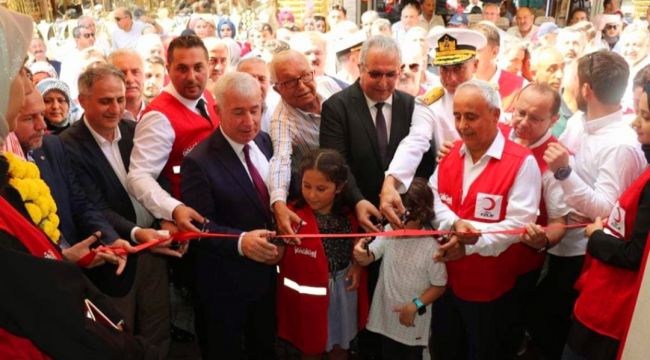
[(42, 312), (613, 271), (56, 96)]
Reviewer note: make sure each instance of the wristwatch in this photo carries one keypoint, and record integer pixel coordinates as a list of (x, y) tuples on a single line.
[(422, 309), (562, 173)]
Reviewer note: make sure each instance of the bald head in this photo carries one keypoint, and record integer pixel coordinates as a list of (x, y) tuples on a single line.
[(293, 78), (286, 60)]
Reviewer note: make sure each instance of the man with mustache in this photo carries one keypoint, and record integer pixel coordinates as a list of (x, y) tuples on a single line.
[(131, 64), (38, 50), (218, 59), (154, 77)]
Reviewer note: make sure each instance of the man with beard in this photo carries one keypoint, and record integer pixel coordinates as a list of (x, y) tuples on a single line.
[(130, 63), (154, 77), (607, 160)]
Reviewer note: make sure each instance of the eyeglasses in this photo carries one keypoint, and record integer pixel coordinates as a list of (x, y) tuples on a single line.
[(378, 74), (293, 83), (610, 27), (88, 36), (414, 67)]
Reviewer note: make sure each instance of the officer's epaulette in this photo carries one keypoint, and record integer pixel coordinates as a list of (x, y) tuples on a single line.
[(432, 95)]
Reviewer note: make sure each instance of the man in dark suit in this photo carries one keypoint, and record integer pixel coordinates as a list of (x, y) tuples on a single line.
[(223, 179), (365, 122), (99, 147)]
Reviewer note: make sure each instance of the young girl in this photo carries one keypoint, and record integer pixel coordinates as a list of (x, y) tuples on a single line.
[(409, 280), (322, 298)]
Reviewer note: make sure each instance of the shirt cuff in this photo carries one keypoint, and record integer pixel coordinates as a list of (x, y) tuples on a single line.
[(168, 208), (278, 195), (241, 252), (133, 239)]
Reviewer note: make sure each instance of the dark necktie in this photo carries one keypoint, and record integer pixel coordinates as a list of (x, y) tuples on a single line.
[(260, 186), (200, 106), (382, 134)]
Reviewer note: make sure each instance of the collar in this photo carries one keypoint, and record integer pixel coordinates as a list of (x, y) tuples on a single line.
[(189, 103), (100, 139), (306, 114), (495, 150), (237, 147), (539, 142), (371, 103), (594, 125)]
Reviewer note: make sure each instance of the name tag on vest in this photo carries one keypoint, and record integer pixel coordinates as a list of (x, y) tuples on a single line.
[(488, 206), (616, 220)]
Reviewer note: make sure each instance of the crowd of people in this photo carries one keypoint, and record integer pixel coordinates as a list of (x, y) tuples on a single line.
[(527, 145)]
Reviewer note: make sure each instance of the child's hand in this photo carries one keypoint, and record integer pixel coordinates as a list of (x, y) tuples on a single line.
[(361, 254), (406, 314), (354, 274)]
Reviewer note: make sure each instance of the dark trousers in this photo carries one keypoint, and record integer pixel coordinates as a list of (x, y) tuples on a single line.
[(370, 342), (549, 316), (238, 329), (474, 330), (587, 344), (146, 306), (391, 349)]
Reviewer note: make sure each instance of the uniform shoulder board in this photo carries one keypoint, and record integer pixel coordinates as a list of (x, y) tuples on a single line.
[(432, 95)]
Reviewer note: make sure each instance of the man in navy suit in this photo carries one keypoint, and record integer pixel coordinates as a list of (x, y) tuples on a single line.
[(223, 178)]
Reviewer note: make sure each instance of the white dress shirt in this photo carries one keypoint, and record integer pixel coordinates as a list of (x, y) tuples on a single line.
[(152, 144), (608, 158), (523, 200), (260, 162), (514, 31), (128, 39), (387, 110), (111, 151), (436, 120)]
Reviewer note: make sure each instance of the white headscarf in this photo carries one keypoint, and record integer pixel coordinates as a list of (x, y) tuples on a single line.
[(15, 36)]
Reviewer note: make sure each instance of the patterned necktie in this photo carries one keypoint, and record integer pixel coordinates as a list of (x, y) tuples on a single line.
[(260, 186), (382, 134), (200, 106)]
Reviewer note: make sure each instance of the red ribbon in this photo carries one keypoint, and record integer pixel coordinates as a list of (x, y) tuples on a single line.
[(191, 235)]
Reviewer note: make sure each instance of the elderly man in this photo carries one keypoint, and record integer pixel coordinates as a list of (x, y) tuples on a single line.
[(72, 63), (607, 160), (313, 46), (101, 42), (154, 77), (487, 182), (295, 127), (571, 43), (223, 178), (410, 17), (128, 30), (429, 16), (525, 28), (130, 63), (508, 83), (433, 116), (635, 48), (258, 69), (38, 51), (547, 67), (491, 12), (99, 147), (218, 59)]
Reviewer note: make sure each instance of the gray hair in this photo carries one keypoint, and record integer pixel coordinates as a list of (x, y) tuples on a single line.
[(76, 31), (379, 25), (385, 44), (125, 52), (96, 73), (251, 60), (236, 82), (488, 91)]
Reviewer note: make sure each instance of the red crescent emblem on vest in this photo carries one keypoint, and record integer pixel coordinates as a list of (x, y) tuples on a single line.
[(492, 204), (618, 216)]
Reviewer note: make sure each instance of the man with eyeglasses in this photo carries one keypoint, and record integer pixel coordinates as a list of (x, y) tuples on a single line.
[(128, 31), (72, 64), (295, 128), (365, 123)]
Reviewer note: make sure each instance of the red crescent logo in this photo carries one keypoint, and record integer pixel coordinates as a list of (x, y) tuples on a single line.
[(492, 204), (618, 216)]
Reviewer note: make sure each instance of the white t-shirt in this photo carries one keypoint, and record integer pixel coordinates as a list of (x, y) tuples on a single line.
[(406, 272)]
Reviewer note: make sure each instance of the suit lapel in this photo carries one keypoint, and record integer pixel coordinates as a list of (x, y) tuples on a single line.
[(400, 121), (231, 163), (89, 144), (125, 145), (365, 117)]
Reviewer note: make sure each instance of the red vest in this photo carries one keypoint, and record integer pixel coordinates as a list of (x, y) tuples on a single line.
[(189, 130), (11, 221), (303, 293), (509, 86), (476, 277), (608, 293)]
